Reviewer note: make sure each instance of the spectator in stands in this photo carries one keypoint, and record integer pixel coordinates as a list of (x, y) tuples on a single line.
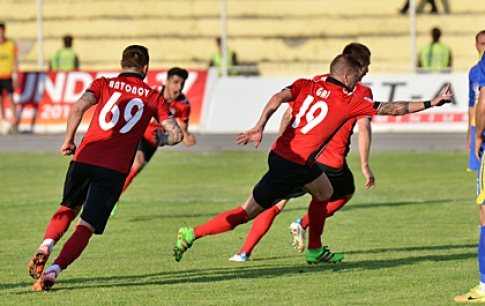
[(422, 3), (216, 60), (65, 59), (8, 79), (435, 57)]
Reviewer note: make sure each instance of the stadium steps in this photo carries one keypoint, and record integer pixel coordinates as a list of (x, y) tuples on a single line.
[(270, 33)]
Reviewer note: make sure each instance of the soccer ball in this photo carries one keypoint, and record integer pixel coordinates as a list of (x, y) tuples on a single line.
[(5, 127)]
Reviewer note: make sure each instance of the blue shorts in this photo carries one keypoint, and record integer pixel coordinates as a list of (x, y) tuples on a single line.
[(473, 162)]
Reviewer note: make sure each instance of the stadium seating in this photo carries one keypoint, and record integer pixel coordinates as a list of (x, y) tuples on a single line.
[(280, 36)]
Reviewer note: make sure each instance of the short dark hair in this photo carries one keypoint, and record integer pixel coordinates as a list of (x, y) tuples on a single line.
[(436, 34), (359, 52), (135, 56), (2, 25), (478, 34), (344, 63), (67, 40), (179, 72)]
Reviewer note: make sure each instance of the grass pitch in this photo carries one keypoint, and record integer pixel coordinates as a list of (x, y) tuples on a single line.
[(410, 241)]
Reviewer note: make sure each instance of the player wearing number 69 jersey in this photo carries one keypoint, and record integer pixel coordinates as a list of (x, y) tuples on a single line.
[(95, 178)]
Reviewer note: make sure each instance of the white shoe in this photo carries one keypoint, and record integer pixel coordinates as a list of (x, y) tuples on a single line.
[(239, 257), (298, 235)]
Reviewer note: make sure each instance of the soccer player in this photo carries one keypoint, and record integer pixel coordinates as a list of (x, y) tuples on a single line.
[(333, 163), (477, 294), (473, 162), (180, 109), (338, 173), (97, 172), (319, 109)]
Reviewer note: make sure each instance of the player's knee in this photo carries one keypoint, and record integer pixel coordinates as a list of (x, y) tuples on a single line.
[(323, 194)]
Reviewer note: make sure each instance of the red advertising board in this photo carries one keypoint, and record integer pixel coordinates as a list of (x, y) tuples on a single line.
[(45, 99)]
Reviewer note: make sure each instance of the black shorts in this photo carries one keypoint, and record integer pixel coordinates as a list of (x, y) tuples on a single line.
[(96, 188), (6, 84), (341, 179), (282, 178), (147, 149)]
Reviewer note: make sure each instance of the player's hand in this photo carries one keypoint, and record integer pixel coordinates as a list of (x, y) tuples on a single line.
[(370, 180), (443, 98), (68, 149), (478, 145), (189, 140), (252, 135), (158, 137)]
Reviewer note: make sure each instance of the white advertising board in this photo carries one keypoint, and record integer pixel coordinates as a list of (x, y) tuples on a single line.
[(234, 104)]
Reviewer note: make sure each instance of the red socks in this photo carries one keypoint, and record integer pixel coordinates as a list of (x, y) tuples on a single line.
[(332, 207), (221, 223), (261, 225), (74, 246), (59, 224), (317, 214), (129, 178)]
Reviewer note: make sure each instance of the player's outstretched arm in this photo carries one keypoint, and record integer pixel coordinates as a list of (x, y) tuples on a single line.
[(255, 134), (173, 134), (74, 119), (400, 108), (480, 121), (365, 139)]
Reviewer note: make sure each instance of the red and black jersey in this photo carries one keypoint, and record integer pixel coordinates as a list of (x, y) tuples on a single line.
[(125, 105), (338, 148), (180, 109), (319, 109)]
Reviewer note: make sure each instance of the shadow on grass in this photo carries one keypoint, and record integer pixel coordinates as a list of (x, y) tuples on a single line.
[(417, 248), (251, 271), (301, 210)]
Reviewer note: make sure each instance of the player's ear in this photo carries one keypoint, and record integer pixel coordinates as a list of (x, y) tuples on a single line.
[(145, 69)]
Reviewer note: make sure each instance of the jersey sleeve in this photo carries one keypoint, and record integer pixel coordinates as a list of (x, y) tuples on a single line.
[(296, 87), (185, 109), (471, 89), (481, 73), (163, 109), (364, 107), (367, 93), (96, 87)]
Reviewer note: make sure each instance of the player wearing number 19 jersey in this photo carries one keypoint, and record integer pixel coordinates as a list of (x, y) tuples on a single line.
[(327, 101), (333, 162), (124, 107), (320, 109)]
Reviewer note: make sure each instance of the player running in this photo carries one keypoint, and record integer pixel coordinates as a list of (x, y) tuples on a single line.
[(97, 172), (320, 108), (180, 109), (332, 161)]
